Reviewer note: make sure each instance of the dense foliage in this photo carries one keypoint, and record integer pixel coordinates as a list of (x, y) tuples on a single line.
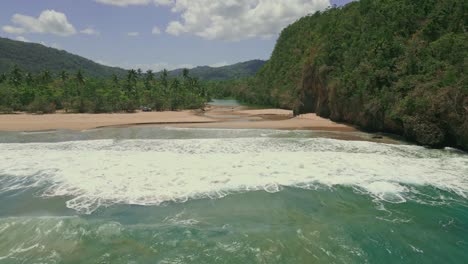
[(76, 84), (391, 65), (35, 58), (23, 91), (229, 72)]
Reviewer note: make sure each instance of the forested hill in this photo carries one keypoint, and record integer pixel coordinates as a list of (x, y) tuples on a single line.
[(36, 58), (229, 72), (385, 65)]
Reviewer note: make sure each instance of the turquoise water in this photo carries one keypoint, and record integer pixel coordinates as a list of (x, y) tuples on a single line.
[(166, 195), (224, 102)]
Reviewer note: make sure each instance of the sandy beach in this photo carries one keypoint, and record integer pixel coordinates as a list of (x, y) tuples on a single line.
[(28, 122), (212, 117)]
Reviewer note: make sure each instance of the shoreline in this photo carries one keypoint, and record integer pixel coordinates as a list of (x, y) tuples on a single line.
[(24, 122), (236, 117), (214, 117)]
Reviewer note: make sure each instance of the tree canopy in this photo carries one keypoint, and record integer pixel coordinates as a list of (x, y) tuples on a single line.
[(75, 92), (391, 65), (35, 58)]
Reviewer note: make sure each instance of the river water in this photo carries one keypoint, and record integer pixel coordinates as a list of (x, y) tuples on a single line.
[(167, 195)]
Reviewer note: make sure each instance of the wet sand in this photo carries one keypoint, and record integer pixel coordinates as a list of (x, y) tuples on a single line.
[(212, 117), (28, 122)]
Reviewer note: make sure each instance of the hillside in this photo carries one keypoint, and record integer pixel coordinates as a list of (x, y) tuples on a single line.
[(35, 58), (384, 65), (229, 72)]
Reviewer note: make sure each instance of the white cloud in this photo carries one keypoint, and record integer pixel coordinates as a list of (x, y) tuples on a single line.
[(49, 21), (239, 19), (156, 31), (163, 2), (23, 39), (133, 34), (231, 19), (124, 3), (175, 28), (13, 30), (90, 31)]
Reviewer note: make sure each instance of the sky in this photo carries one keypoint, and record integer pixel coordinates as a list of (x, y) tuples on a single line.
[(156, 34)]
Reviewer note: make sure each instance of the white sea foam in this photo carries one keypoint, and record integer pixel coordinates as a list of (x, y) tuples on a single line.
[(150, 172)]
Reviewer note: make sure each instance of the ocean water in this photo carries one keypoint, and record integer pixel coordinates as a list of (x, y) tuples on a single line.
[(167, 195), (225, 102)]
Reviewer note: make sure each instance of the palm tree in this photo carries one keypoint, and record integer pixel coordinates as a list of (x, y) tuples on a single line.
[(46, 77), (3, 77), (115, 79), (175, 94), (80, 78), (131, 83), (115, 92), (149, 78), (139, 73), (29, 78), (165, 80), (81, 82), (63, 76), (185, 73), (16, 76)]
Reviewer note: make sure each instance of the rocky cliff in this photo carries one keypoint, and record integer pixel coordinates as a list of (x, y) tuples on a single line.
[(445, 123), (394, 66)]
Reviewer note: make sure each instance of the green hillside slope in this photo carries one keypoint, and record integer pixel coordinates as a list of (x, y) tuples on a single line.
[(35, 58), (385, 65), (229, 72)]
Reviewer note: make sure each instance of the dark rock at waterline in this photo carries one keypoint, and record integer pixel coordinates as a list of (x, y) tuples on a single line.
[(424, 132), (444, 121)]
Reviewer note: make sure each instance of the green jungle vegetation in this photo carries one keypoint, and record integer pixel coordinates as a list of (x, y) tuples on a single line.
[(395, 66), (385, 65), (39, 79), (36, 58), (44, 93), (230, 72)]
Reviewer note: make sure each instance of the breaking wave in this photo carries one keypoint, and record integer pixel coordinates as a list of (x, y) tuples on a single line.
[(98, 173)]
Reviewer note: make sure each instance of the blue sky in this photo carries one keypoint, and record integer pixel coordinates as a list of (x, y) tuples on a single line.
[(156, 34)]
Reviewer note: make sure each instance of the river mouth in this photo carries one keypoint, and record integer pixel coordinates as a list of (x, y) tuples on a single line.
[(225, 102), (149, 194)]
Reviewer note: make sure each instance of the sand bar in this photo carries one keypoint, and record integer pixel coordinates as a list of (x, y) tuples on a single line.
[(269, 121), (213, 117), (28, 122)]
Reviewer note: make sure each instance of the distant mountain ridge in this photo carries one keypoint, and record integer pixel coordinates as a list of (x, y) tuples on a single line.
[(228, 72), (34, 58)]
